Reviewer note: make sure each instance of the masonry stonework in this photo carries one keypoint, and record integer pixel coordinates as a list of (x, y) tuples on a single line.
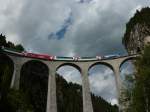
[(83, 67)]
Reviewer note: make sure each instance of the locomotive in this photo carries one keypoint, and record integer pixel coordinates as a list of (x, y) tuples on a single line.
[(27, 54)]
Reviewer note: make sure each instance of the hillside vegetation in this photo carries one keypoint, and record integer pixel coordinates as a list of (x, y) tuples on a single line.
[(140, 93)]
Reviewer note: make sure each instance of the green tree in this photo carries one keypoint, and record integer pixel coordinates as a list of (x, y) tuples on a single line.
[(19, 47), (18, 101), (141, 91), (2, 40), (10, 99), (9, 44)]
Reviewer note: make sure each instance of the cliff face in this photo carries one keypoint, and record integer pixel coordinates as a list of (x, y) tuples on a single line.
[(136, 39), (137, 31)]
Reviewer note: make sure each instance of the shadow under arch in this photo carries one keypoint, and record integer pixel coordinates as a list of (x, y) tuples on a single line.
[(127, 59), (4, 58), (6, 73), (34, 83), (6, 63), (69, 64), (102, 63)]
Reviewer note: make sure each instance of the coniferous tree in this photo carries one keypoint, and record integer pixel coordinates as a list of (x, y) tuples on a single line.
[(141, 96)]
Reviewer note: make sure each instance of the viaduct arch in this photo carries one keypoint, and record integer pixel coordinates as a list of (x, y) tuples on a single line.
[(127, 59), (82, 66), (69, 64), (35, 73), (102, 63)]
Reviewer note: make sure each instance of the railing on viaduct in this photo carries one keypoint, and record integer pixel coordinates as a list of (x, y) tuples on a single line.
[(82, 66)]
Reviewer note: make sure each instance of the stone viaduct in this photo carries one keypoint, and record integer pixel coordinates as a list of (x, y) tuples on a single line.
[(82, 66)]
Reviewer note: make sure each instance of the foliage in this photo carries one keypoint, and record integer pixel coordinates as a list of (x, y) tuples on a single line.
[(10, 100), (2, 40), (127, 92), (141, 96), (138, 95), (69, 98), (9, 44), (19, 47), (34, 82), (18, 100), (140, 92)]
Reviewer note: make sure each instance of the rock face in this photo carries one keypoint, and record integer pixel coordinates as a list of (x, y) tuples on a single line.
[(137, 38), (137, 33)]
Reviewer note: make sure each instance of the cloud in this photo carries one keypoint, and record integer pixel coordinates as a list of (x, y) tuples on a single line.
[(84, 1), (101, 78), (70, 74), (102, 83), (61, 32), (127, 69), (95, 25)]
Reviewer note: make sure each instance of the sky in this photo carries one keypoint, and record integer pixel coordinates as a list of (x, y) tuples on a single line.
[(69, 27)]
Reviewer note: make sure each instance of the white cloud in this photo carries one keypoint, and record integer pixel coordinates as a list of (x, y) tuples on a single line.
[(70, 74), (94, 22), (102, 83), (114, 101)]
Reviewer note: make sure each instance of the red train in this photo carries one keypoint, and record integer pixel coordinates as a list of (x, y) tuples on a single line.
[(40, 56)]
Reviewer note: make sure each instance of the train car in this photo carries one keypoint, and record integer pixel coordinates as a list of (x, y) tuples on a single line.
[(63, 58), (76, 58), (90, 58), (87, 59), (40, 56), (111, 56), (99, 57)]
